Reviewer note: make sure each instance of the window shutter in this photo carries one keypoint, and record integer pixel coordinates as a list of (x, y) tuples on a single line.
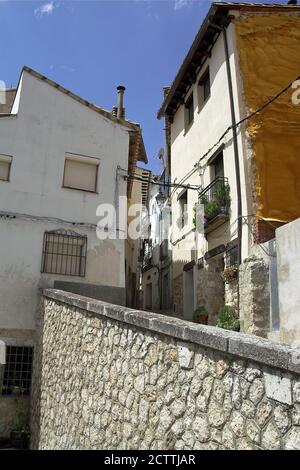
[(81, 174), (5, 163)]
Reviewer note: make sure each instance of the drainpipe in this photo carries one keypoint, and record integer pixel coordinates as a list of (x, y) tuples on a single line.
[(235, 147)]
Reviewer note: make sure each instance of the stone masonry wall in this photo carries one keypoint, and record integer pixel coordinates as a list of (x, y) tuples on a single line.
[(108, 377), (210, 289), (255, 296)]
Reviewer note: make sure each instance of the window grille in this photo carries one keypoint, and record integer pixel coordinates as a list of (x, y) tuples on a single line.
[(18, 369), (231, 258), (64, 252)]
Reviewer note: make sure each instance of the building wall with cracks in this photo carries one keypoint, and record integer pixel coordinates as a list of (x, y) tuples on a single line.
[(108, 377)]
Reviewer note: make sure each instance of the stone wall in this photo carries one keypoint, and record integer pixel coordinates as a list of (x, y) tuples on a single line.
[(210, 288), (255, 296), (108, 377), (178, 294)]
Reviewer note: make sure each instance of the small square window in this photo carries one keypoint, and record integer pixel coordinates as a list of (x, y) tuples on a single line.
[(5, 164), (189, 105), (80, 173), (64, 252), (204, 84)]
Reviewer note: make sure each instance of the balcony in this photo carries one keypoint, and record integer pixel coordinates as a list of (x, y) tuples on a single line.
[(147, 253), (216, 201)]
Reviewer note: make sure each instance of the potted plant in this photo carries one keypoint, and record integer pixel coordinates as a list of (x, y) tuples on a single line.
[(227, 319), (222, 197), (201, 315), (230, 274), (19, 436)]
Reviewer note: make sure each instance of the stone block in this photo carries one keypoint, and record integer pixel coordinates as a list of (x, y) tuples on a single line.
[(260, 350), (278, 387), (185, 355)]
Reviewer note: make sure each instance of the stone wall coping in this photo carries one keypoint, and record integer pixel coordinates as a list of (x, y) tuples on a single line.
[(257, 349)]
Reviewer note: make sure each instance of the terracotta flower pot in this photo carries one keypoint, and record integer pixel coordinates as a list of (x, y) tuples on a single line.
[(19, 439)]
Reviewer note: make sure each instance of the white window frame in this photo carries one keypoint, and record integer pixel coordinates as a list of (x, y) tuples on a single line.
[(6, 159), (85, 160)]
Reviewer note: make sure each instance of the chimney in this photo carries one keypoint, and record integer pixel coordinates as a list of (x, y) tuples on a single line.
[(119, 111)]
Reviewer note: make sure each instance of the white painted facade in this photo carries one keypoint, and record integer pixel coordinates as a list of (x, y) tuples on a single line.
[(157, 273), (210, 122), (45, 124), (189, 144)]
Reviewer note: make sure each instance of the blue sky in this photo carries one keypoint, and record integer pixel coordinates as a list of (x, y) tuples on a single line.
[(92, 46)]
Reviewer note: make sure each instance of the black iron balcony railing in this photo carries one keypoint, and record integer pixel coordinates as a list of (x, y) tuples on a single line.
[(215, 199), (147, 254)]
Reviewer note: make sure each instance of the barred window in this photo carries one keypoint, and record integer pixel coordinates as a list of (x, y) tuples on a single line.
[(64, 252), (231, 255), (17, 372)]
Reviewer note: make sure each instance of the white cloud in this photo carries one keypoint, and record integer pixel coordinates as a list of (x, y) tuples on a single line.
[(181, 4), (45, 10)]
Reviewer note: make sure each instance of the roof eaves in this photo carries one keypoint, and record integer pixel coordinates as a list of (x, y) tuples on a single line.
[(215, 9)]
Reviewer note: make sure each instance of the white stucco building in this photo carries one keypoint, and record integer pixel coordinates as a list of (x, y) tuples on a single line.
[(156, 279), (59, 160)]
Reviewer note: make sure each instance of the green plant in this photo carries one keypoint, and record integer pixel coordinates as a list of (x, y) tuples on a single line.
[(229, 274), (211, 210), (222, 195), (227, 320), (21, 422), (200, 314)]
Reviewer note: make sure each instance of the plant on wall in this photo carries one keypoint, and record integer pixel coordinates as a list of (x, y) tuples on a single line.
[(19, 436), (230, 274), (227, 320), (200, 315)]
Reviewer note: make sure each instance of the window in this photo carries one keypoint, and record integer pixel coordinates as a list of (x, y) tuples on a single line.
[(204, 84), (231, 257), (5, 164), (189, 105), (80, 172), (64, 252), (17, 372), (217, 166), (182, 199)]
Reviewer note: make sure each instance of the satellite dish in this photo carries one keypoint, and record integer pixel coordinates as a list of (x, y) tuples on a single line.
[(161, 153)]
